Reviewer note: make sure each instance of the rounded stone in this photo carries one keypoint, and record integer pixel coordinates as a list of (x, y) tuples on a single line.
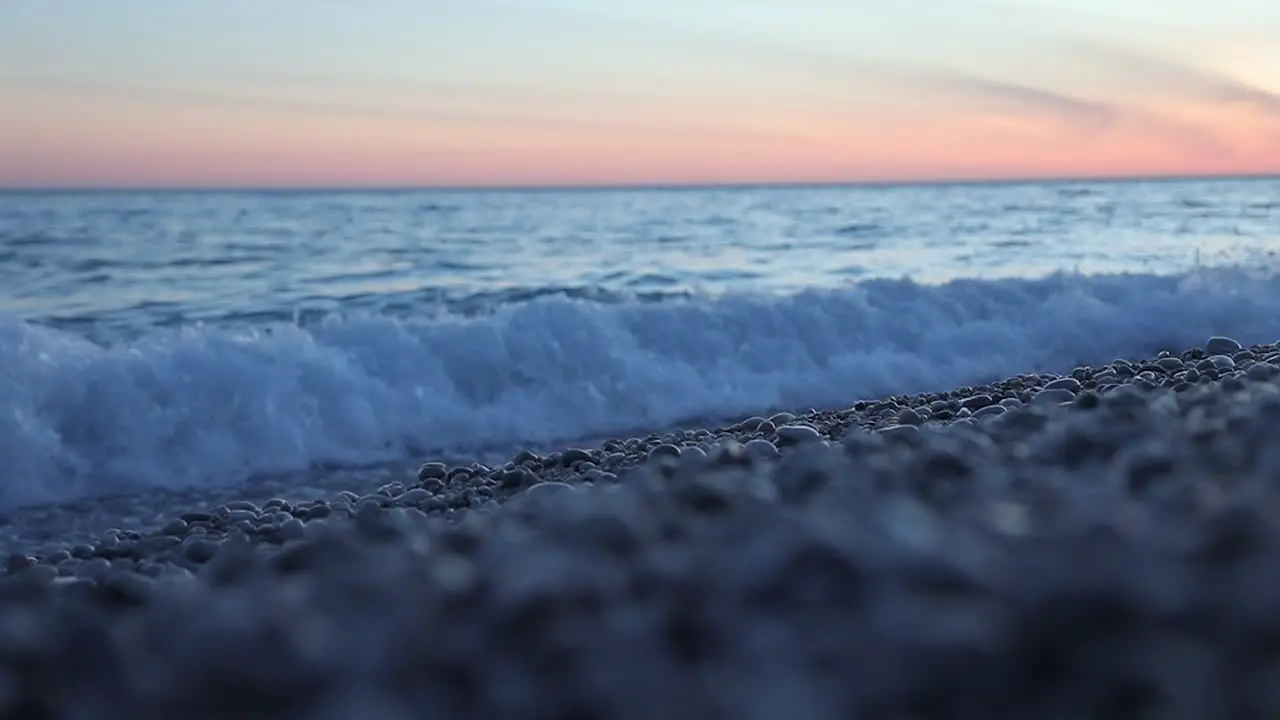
[(909, 416), (1261, 372), (572, 456), (93, 569), (292, 529), (692, 453), (1051, 396), (416, 496), (40, 574), (432, 470), (517, 478), (1221, 362), (663, 450), (155, 545), (1069, 384), (760, 448), (199, 549), (129, 588), (796, 434), (239, 515), (899, 431), (243, 505), (990, 411), (18, 562), (548, 490), (175, 527), (1219, 345)]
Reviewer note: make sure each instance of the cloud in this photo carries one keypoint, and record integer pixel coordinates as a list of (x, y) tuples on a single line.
[(413, 113), (1206, 85), (1083, 45), (1081, 112)]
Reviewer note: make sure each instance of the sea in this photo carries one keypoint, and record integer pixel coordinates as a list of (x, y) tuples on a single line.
[(180, 339)]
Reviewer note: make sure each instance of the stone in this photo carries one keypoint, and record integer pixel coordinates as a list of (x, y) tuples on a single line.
[(1222, 346)]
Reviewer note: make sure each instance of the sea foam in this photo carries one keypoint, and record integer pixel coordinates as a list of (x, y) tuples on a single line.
[(210, 405)]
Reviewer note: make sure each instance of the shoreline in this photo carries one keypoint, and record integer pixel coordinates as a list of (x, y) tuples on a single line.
[(1097, 546), (44, 528)]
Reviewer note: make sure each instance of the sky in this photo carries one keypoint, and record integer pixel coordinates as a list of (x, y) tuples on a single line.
[(347, 93)]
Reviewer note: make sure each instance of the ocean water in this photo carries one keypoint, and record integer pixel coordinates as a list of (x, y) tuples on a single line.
[(180, 339)]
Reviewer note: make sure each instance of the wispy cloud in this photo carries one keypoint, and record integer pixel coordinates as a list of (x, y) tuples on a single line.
[(563, 93), (407, 110), (1080, 114), (1177, 77), (1020, 97)]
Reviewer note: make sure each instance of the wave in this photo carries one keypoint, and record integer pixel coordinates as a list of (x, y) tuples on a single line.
[(210, 405)]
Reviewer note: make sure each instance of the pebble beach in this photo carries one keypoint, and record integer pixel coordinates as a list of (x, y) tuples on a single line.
[(1099, 543), (956, 451)]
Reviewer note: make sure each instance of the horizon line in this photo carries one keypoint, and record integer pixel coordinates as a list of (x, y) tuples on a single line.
[(629, 186)]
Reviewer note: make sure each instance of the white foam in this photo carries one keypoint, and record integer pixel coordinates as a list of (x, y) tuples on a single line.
[(206, 406)]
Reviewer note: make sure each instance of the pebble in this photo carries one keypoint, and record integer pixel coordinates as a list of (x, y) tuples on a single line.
[(761, 448), (1068, 384), (432, 470), (796, 434), (663, 450), (1222, 346), (900, 431), (1115, 525), (1053, 395)]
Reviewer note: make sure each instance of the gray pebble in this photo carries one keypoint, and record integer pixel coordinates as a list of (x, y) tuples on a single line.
[(1221, 362), (39, 574), (292, 529), (1222, 346), (760, 448), (573, 456), (1053, 396), (198, 549), (796, 434), (663, 450), (782, 418), (127, 587), (416, 496), (1069, 384), (692, 453), (432, 470), (909, 416), (241, 515), (176, 527), (548, 491), (93, 569), (974, 403), (899, 431), (18, 562), (155, 545), (1262, 372)]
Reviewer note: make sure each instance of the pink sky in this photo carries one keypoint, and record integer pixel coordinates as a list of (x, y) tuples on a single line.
[(657, 96)]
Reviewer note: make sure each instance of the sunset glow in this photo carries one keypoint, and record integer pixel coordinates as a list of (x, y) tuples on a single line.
[(549, 92)]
